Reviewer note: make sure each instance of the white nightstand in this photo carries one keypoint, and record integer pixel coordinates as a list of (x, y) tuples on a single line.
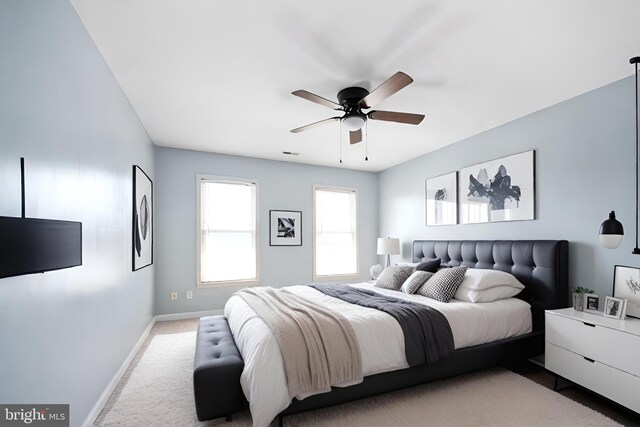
[(596, 352)]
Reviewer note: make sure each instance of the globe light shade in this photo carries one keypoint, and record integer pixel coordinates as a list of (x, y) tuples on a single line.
[(353, 122), (610, 241), (611, 232)]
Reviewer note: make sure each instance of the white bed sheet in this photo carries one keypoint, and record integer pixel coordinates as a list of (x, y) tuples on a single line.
[(380, 337), (474, 323)]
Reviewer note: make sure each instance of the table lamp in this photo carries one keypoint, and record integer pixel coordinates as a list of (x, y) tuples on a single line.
[(388, 246)]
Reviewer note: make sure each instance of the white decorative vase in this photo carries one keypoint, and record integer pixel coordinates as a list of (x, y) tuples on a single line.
[(375, 271)]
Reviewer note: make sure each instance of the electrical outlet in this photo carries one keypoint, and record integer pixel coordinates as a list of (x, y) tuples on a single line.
[(189, 294), (174, 296)]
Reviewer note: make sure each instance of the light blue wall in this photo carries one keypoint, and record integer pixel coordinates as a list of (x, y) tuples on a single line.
[(64, 334), (282, 185), (584, 168)]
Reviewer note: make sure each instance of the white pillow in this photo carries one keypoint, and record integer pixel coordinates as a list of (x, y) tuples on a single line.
[(480, 279), (487, 295)]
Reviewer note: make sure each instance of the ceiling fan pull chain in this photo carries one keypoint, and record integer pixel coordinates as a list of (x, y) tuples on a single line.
[(340, 127), (366, 141)]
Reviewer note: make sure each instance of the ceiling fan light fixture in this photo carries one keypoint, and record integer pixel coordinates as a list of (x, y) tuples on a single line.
[(353, 122), (352, 100)]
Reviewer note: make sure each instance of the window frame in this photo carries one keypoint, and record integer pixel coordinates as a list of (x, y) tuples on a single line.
[(225, 283), (351, 276)]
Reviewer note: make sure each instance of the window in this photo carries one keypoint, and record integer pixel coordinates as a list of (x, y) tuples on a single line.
[(335, 232), (227, 230)]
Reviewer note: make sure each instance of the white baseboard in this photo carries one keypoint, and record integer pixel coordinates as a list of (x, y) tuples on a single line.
[(188, 315), (104, 397)]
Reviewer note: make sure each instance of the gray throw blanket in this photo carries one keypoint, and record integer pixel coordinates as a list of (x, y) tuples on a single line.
[(427, 333), (319, 348)]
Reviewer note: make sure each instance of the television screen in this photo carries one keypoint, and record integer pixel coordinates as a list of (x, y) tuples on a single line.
[(29, 245)]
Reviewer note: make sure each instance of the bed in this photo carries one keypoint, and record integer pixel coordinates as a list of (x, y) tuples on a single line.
[(541, 265)]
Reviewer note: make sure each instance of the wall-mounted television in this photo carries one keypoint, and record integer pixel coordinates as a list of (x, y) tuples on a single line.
[(29, 245), (32, 245)]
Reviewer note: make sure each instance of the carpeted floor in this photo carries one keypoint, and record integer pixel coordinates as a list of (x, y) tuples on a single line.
[(157, 391)]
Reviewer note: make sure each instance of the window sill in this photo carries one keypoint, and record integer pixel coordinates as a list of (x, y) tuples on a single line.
[(229, 284)]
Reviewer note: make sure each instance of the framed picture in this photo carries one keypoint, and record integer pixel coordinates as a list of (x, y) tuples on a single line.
[(614, 307), (285, 228), (441, 199), (626, 285), (142, 244), (498, 190), (591, 302)]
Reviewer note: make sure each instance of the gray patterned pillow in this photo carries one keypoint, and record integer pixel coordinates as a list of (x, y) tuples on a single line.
[(443, 285), (413, 283), (393, 277)]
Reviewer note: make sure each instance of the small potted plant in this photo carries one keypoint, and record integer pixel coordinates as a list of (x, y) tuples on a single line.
[(578, 297)]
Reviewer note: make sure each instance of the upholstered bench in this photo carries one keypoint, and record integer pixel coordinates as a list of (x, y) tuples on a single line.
[(216, 371)]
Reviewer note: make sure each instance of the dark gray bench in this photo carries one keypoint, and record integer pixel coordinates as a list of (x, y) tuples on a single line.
[(216, 371)]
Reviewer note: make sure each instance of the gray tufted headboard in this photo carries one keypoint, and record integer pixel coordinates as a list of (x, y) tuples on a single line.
[(541, 265)]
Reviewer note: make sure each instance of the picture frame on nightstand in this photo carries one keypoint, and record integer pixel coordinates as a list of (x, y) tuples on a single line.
[(591, 303), (626, 285), (614, 307)]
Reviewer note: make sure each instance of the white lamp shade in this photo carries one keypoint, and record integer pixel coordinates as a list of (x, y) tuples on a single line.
[(388, 246), (609, 241)]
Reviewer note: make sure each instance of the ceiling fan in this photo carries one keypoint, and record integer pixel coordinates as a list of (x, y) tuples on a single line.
[(353, 100)]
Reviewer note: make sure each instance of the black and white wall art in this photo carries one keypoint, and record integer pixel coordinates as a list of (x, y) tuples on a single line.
[(441, 204), (285, 228), (626, 285), (498, 190), (142, 219)]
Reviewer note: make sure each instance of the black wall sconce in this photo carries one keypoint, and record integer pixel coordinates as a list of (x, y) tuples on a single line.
[(611, 230)]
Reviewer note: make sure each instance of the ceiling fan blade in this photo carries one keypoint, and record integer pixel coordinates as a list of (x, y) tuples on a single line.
[(355, 136), (396, 82), (317, 99), (394, 116), (312, 125)]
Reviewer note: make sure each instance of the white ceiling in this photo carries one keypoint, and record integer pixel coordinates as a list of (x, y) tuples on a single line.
[(218, 75)]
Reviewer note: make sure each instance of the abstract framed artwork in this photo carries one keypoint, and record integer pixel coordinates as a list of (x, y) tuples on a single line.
[(626, 285), (142, 244), (498, 190), (285, 228), (441, 199)]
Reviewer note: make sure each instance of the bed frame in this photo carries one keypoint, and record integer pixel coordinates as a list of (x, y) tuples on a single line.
[(541, 265)]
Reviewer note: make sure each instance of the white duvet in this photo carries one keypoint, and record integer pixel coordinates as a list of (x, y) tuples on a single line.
[(380, 337)]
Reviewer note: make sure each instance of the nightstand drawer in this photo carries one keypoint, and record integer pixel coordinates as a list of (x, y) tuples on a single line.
[(606, 345), (616, 385)]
